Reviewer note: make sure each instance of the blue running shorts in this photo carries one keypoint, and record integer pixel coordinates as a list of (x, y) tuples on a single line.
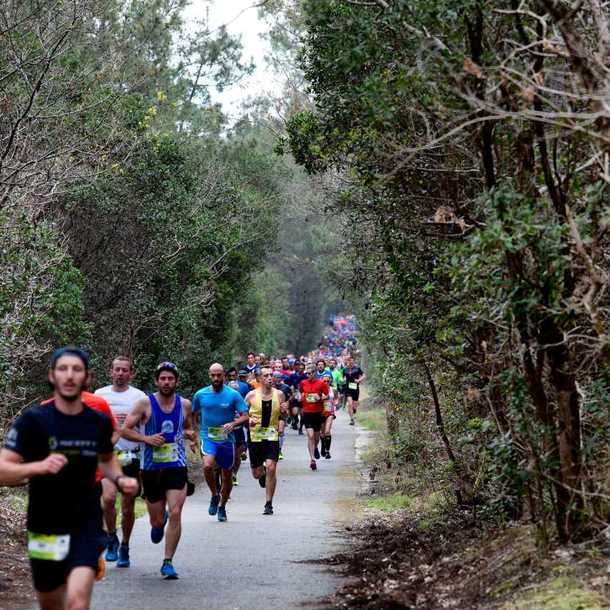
[(224, 452)]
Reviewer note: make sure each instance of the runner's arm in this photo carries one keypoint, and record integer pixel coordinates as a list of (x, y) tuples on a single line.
[(110, 469), (14, 472), (189, 430), (283, 402), (136, 416)]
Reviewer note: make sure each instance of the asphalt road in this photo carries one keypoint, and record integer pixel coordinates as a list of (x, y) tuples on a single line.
[(251, 561)]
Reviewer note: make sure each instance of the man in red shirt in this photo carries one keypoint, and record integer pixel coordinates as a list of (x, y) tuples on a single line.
[(313, 394)]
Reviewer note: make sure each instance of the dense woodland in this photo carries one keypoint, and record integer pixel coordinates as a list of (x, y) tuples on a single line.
[(442, 167)]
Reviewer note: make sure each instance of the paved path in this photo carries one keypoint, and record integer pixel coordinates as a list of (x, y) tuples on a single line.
[(251, 561)]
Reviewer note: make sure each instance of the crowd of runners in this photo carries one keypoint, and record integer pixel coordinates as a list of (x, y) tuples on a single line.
[(81, 450)]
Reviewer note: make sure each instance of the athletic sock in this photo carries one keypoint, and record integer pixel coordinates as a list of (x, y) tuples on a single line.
[(166, 561)]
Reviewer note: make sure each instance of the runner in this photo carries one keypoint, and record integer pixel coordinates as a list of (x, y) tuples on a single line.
[(57, 448), (314, 392), (294, 381), (266, 405), (239, 432), (354, 376), (121, 397), (279, 384), (221, 409), (338, 383), (166, 418), (328, 416), (251, 364), (321, 369)]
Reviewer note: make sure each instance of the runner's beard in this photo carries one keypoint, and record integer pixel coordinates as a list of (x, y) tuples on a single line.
[(166, 391), (69, 398)]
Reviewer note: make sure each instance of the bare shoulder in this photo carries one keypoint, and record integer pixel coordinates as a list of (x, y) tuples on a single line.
[(186, 404), (250, 395)]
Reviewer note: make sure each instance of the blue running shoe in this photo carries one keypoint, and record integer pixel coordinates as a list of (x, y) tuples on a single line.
[(167, 570), (156, 533), (213, 508), (222, 513), (112, 550), (123, 561)]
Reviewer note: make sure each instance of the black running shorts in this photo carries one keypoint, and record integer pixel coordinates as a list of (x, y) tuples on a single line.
[(158, 482), (312, 420), (86, 546), (262, 451), (353, 394)]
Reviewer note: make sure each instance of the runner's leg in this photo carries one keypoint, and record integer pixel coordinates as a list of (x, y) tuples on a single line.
[(227, 486), (52, 600), (271, 479), (209, 465), (311, 442), (128, 517), (175, 502), (156, 513), (109, 493), (79, 588)]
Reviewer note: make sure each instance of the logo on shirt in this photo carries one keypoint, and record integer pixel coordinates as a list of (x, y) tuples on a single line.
[(53, 444), (167, 427)]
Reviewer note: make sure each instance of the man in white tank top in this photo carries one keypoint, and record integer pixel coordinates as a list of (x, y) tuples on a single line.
[(121, 398)]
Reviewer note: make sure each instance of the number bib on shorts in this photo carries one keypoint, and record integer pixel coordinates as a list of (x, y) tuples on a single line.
[(352, 385), (125, 457), (50, 547), (217, 433), (165, 454), (258, 434)]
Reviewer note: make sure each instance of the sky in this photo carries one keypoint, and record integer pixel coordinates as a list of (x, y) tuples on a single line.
[(240, 18)]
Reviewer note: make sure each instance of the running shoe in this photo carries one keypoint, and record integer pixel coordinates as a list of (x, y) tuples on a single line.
[(268, 510), (295, 426), (313, 465), (213, 508), (222, 513), (244, 456), (300, 432), (112, 552), (235, 481), (327, 456), (123, 561), (351, 422), (167, 570), (281, 456), (262, 481), (156, 533), (316, 453)]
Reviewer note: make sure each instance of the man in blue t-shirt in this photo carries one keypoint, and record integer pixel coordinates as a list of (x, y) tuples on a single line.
[(219, 410)]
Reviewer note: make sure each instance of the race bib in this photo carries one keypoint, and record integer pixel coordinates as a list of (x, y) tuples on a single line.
[(125, 457), (352, 385), (217, 433), (166, 453), (311, 398), (50, 547), (258, 434), (328, 405)]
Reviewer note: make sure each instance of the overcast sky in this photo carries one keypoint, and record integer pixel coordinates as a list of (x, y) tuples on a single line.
[(240, 19)]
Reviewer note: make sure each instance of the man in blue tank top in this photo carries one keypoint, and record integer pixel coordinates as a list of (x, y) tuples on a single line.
[(166, 418), (220, 409)]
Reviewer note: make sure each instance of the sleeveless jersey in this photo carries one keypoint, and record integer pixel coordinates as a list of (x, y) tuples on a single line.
[(172, 453), (267, 414)]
